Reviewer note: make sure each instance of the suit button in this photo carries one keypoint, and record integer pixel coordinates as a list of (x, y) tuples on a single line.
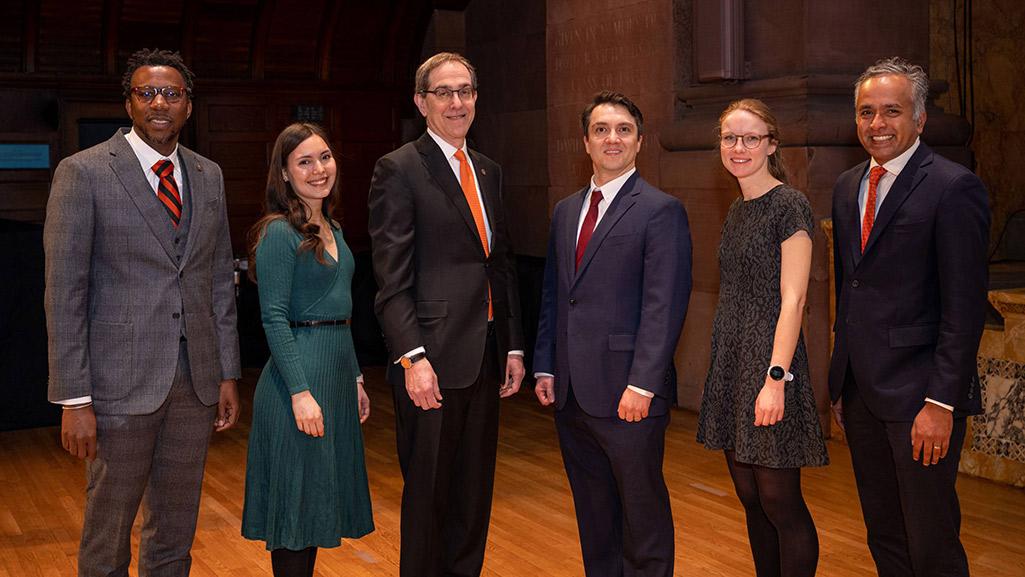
[(176, 316), (572, 301), (177, 240), (181, 275), (855, 284), (487, 265)]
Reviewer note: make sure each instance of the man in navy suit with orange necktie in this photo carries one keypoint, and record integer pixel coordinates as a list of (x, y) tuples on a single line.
[(617, 282), (911, 234)]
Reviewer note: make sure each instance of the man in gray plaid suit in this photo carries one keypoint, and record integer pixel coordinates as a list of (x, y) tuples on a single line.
[(140, 308)]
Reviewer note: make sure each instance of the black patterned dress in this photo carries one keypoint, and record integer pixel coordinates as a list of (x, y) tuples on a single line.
[(742, 335)]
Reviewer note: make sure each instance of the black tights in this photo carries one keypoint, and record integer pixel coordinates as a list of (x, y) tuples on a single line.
[(779, 526), (288, 563)]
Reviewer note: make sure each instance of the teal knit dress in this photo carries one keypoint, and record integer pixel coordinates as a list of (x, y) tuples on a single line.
[(304, 491)]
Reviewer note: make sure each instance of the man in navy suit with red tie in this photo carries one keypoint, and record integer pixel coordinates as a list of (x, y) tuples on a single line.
[(911, 233), (617, 282)]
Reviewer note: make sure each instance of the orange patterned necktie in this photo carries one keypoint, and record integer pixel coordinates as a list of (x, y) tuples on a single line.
[(470, 192), (870, 204), (167, 190)]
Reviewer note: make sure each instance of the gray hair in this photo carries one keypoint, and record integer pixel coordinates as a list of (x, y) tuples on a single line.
[(423, 73), (897, 66)]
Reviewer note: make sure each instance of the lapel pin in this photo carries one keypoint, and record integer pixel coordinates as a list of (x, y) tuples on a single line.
[(483, 171)]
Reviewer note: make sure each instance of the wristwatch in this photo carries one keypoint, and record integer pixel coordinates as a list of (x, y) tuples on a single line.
[(778, 373), (408, 362)]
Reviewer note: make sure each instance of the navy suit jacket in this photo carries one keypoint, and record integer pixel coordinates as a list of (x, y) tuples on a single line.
[(615, 321), (910, 309)]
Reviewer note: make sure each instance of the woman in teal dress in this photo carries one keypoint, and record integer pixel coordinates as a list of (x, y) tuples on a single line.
[(306, 479)]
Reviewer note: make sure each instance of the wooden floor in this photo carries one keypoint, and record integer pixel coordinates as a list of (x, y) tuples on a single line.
[(533, 532)]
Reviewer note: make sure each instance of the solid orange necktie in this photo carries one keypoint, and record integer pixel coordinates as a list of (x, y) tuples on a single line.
[(466, 181)]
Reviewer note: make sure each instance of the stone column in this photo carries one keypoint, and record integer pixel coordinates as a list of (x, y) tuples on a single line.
[(995, 444)]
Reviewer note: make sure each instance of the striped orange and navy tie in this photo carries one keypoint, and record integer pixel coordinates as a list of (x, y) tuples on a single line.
[(167, 190)]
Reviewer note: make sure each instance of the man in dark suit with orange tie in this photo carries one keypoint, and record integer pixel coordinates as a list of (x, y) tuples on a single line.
[(617, 282), (449, 309), (911, 233)]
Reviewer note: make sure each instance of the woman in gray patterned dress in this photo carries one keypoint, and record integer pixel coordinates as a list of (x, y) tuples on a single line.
[(758, 405)]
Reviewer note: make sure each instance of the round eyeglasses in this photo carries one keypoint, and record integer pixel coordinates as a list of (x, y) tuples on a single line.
[(171, 94), (748, 140)]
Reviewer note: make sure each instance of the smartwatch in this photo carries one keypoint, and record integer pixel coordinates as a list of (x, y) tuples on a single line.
[(778, 373), (408, 362)]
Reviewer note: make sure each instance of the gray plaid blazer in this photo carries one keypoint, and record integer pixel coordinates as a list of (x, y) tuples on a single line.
[(117, 299)]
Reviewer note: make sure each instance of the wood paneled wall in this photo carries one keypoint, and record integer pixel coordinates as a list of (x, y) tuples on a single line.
[(256, 61)]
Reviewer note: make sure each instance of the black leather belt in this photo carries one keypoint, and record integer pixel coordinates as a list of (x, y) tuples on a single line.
[(328, 323)]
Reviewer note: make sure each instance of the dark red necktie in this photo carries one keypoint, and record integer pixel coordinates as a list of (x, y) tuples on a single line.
[(587, 229), (874, 175), (167, 190)]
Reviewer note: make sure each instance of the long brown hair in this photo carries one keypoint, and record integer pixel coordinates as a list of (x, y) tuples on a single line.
[(281, 201), (761, 110)]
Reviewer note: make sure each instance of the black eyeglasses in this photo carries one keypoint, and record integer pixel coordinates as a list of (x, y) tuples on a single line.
[(748, 140), (171, 94), (445, 93)]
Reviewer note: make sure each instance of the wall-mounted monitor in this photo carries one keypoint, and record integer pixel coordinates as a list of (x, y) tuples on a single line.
[(92, 131), (24, 156)]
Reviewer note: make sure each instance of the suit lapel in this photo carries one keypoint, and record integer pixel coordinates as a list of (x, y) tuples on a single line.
[(568, 236), (852, 214), (192, 170), (909, 178), (620, 205), (126, 167), (441, 173)]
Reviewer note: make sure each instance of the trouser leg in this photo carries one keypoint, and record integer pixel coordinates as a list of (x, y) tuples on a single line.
[(171, 501)]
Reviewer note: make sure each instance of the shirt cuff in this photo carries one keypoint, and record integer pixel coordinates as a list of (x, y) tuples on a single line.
[(515, 353), (641, 391), (539, 375), (75, 401), (944, 405), (359, 379), (415, 351)]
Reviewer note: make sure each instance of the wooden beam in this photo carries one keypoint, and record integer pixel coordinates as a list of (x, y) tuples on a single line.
[(30, 36), (258, 42), (109, 35), (190, 16), (325, 39)]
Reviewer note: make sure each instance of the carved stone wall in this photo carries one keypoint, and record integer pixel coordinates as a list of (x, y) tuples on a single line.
[(998, 141)]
